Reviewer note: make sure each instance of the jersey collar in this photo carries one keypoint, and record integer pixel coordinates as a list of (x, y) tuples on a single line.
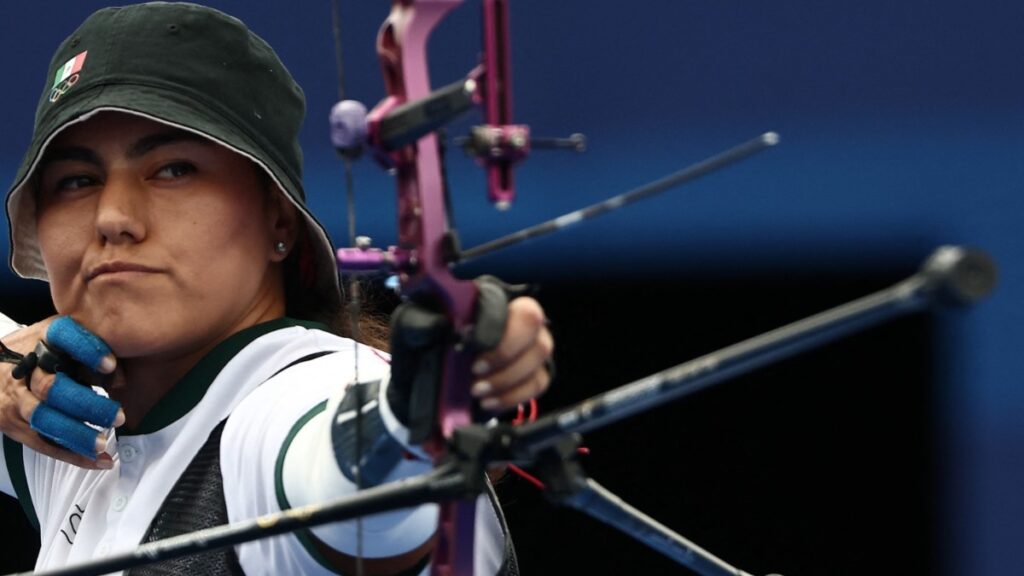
[(187, 393)]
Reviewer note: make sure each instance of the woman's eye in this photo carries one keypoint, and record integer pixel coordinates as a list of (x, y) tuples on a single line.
[(74, 182), (175, 170)]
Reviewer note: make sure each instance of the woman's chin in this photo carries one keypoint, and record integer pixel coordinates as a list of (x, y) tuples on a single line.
[(130, 339), (126, 344), (129, 335), (156, 342)]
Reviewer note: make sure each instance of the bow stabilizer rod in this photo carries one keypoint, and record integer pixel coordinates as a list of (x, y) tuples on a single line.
[(952, 276)]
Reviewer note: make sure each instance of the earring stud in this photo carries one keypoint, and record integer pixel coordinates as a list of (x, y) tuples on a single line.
[(281, 247)]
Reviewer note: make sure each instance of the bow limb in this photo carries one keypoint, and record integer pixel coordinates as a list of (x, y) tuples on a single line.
[(422, 222), (423, 229)]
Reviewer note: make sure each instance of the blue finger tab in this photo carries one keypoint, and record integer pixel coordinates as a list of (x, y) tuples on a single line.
[(81, 402), (64, 430), (82, 345)]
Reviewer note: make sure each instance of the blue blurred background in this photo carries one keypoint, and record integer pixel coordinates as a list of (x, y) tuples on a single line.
[(902, 128)]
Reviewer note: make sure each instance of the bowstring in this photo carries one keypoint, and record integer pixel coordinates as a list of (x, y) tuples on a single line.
[(354, 297)]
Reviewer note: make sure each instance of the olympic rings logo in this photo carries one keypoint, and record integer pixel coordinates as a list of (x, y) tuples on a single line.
[(62, 88)]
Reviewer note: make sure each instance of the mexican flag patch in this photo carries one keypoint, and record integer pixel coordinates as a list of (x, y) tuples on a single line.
[(67, 76)]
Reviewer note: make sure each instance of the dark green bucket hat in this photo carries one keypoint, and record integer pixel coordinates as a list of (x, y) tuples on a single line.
[(193, 68)]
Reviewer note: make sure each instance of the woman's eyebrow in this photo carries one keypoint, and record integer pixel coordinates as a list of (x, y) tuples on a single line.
[(139, 148), (70, 153), (150, 142)]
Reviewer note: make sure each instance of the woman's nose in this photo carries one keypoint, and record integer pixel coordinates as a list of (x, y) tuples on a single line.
[(119, 214)]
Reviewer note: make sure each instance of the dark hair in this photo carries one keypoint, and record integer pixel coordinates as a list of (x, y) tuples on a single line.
[(373, 307), (374, 303)]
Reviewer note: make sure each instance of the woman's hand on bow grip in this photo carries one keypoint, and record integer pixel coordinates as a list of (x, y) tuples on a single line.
[(50, 413), (517, 369)]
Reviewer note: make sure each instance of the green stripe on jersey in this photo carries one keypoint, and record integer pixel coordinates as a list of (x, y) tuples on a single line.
[(304, 535), (16, 468)]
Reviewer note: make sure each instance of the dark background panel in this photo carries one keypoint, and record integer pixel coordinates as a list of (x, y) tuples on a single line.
[(901, 130)]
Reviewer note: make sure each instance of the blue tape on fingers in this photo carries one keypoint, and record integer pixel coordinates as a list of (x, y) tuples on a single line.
[(64, 430), (82, 345), (81, 402)]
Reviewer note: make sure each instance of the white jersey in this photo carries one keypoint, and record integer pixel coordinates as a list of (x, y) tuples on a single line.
[(7, 325), (88, 514)]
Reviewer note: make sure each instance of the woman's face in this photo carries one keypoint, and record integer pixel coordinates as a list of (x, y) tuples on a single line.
[(159, 241)]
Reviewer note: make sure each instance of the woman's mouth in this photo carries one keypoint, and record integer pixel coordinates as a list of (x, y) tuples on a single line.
[(117, 268)]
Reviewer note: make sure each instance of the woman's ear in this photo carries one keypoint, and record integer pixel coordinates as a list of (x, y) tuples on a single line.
[(284, 221)]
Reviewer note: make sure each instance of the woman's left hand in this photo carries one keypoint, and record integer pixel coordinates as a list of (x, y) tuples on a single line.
[(516, 370)]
